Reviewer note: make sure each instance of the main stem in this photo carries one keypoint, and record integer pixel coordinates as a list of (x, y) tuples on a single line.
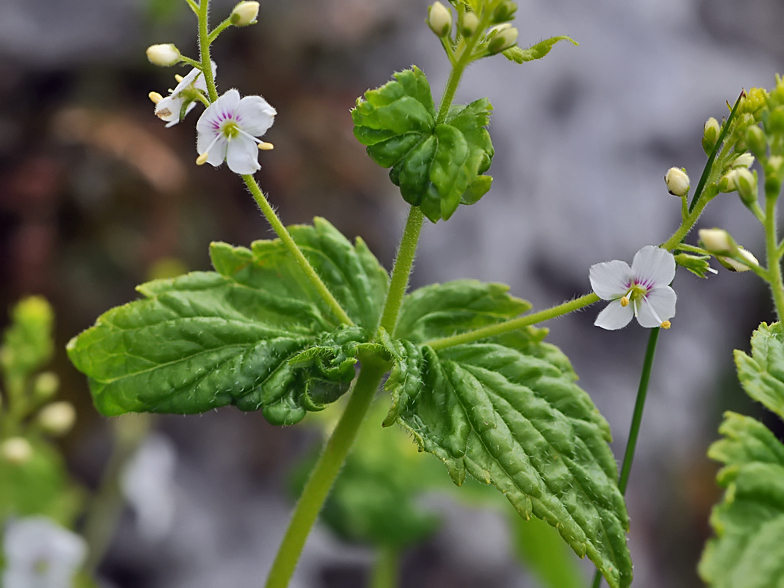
[(773, 256), (385, 572), (325, 472), (634, 430)]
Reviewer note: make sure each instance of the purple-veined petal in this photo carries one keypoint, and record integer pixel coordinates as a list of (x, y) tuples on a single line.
[(610, 279), (653, 267), (658, 306), (242, 155), (255, 115), (614, 316), (218, 152)]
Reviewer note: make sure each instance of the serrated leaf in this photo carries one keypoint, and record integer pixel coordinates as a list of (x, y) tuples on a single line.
[(507, 411), (436, 167), (748, 550), (520, 55), (253, 334), (762, 374)]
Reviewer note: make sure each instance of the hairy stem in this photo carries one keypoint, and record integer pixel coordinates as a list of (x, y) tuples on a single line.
[(514, 324), (204, 49), (324, 473), (634, 430), (774, 258)]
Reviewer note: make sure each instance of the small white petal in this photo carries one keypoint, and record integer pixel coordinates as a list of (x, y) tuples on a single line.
[(217, 153), (660, 301), (242, 155), (610, 279), (653, 266), (614, 316), (255, 115)]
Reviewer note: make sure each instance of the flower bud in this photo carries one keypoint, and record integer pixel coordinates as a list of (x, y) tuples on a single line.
[(746, 183), (775, 122), (696, 264), (16, 450), (504, 11), (469, 24), (756, 141), (677, 182), (439, 19), (737, 266), (717, 241), (744, 160), (501, 38), (57, 418), (45, 385), (710, 134), (244, 14), (773, 172), (163, 55), (727, 181)]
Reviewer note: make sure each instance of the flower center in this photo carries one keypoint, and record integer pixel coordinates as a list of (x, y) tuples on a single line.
[(230, 129), (634, 294)]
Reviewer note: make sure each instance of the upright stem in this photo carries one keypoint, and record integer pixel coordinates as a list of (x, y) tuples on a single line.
[(295, 251), (325, 472), (204, 49), (774, 259), (634, 430), (402, 269), (386, 569)]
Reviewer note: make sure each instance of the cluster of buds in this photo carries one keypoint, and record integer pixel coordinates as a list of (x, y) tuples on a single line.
[(501, 36), (729, 254)]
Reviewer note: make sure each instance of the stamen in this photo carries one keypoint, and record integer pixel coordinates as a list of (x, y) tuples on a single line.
[(202, 159), (666, 325), (266, 146), (178, 77), (624, 301), (653, 312), (163, 113), (155, 97)]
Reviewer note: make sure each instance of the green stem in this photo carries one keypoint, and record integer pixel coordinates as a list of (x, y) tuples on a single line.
[(385, 571), (514, 324), (191, 62), (401, 270), (204, 49), (324, 473), (634, 430), (218, 30), (294, 249), (774, 259), (193, 6)]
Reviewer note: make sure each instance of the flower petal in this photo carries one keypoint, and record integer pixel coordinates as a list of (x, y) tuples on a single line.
[(610, 279), (217, 112), (186, 81), (217, 153), (168, 109), (653, 267), (614, 316), (660, 301), (255, 115), (242, 155), (201, 83)]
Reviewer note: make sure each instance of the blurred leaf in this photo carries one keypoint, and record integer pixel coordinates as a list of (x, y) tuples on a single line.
[(543, 552), (762, 374), (39, 486), (254, 334), (508, 412), (519, 55), (436, 166)]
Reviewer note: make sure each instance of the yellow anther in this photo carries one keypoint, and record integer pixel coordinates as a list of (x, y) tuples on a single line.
[(178, 77), (624, 301), (666, 325), (202, 159), (155, 97), (266, 146)]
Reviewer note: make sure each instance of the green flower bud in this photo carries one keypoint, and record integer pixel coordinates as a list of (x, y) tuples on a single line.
[(469, 25), (504, 12), (756, 141), (16, 450), (57, 418), (45, 385), (164, 55), (727, 181), (696, 264), (501, 38), (244, 14), (746, 182), (710, 134), (717, 241), (775, 122), (736, 266), (744, 160), (439, 19), (773, 170), (677, 181)]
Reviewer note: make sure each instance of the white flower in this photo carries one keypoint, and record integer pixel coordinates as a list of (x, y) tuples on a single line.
[(40, 553), (244, 14), (170, 108), (640, 291), (439, 19), (164, 55), (677, 181), (16, 450), (228, 130)]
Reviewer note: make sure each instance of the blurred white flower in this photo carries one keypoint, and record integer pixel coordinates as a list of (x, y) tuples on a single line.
[(147, 482), (642, 291), (228, 130), (41, 554), (184, 95)]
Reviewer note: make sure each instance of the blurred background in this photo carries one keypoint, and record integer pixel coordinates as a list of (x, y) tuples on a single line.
[(97, 196)]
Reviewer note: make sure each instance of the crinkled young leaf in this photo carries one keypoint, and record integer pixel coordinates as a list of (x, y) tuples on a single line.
[(748, 550), (437, 167), (507, 411), (520, 55), (762, 374), (253, 334)]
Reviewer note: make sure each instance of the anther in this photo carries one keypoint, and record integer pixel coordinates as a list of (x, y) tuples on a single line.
[(266, 146), (155, 97), (666, 325), (624, 301), (178, 77), (202, 159)]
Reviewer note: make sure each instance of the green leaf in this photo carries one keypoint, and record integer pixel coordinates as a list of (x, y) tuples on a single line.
[(519, 55), (437, 167), (253, 334), (507, 411), (539, 547), (748, 550), (762, 374)]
